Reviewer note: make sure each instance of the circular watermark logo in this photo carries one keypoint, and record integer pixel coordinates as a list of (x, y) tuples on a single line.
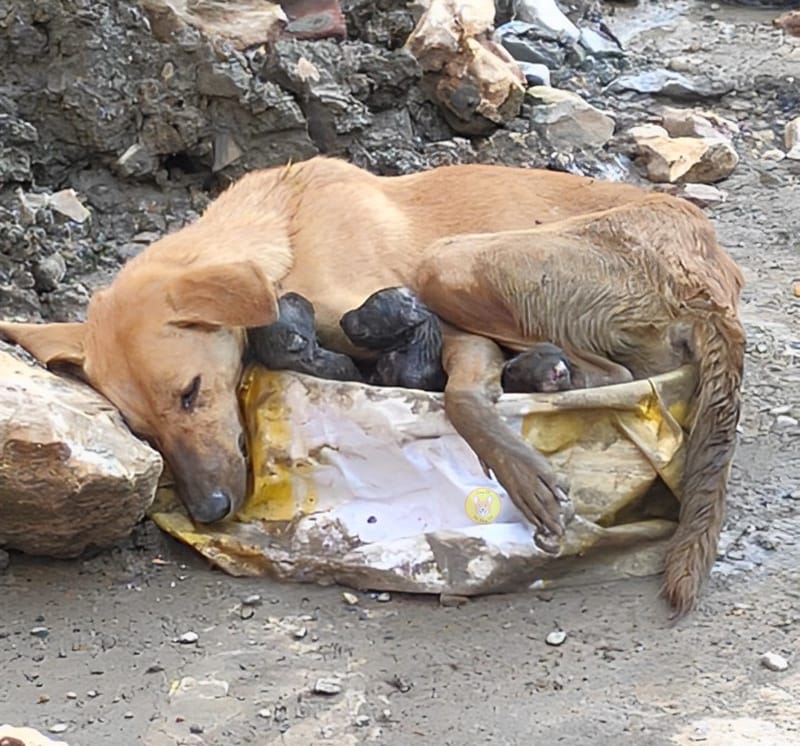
[(483, 505)]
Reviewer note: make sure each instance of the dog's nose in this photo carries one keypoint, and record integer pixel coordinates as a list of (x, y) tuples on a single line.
[(215, 507)]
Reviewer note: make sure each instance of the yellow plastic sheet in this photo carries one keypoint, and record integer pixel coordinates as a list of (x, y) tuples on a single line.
[(371, 487)]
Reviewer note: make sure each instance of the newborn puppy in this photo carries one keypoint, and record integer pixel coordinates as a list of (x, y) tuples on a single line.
[(543, 368), (291, 344), (395, 322)]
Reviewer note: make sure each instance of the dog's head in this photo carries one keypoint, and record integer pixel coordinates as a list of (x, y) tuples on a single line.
[(165, 345)]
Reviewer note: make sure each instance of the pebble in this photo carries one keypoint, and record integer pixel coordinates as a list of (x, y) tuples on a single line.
[(783, 420), (72, 695), (58, 728), (350, 598), (327, 686), (299, 633), (187, 638), (556, 637), (265, 713), (252, 600), (774, 662), (128, 715), (40, 632), (785, 409), (450, 601), (361, 721), (383, 597), (92, 693)]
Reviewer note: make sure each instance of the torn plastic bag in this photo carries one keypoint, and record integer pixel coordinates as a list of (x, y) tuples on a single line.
[(372, 487)]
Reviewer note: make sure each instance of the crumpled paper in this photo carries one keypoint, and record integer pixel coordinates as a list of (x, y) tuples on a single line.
[(372, 488)]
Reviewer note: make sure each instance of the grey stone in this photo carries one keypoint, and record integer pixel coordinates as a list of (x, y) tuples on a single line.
[(672, 85)]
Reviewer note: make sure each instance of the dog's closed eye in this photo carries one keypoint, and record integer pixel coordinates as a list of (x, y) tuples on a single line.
[(189, 395)]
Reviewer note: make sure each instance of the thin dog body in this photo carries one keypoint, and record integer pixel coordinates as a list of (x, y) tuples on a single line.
[(606, 271)]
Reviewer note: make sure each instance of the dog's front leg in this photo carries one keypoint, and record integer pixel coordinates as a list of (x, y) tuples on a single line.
[(474, 366)]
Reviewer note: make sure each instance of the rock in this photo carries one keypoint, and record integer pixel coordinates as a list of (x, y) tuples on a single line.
[(789, 22), (791, 138), (547, 18), (702, 195), (187, 638), (15, 736), (473, 81), (40, 632), (314, 20), (683, 159), (66, 203), (671, 84), (688, 123), (566, 120), (254, 599), (774, 662), (383, 597), (327, 686), (67, 455), (535, 74), (599, 45), (245, 24), (137, 161), (350, 598), (556, 637), (785, 422), (524, 45), (58, 728), (48, 272)]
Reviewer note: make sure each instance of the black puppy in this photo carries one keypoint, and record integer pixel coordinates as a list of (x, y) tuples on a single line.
[(291, 343), (394, 321), (544, 368)]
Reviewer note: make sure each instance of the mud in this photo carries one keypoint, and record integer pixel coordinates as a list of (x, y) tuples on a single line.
[(407, 670)]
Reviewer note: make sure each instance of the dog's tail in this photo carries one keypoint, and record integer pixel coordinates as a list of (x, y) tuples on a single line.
[(719, 351)]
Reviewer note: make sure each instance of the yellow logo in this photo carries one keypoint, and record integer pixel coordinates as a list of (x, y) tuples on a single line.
[(483, 505)]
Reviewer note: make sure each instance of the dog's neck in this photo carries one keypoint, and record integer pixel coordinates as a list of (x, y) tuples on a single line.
[(249, 221)]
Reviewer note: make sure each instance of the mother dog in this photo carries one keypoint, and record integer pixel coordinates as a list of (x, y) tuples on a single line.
[(610, 273)]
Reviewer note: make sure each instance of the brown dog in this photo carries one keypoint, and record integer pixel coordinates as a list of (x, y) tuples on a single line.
[(615, 274)]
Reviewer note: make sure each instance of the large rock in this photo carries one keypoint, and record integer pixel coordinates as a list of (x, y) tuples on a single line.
[(704, 160), (71, 474), (566, 120), (474, 80)]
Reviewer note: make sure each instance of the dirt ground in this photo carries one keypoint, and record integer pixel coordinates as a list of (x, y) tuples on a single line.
[(408, 671)]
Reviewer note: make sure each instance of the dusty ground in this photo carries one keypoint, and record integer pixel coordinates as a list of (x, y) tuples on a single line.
[(411, 671)]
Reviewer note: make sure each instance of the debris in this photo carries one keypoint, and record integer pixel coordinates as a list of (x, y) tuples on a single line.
[(470, 77), (774, 662), (683, 159), (556, 637), (599, 45), (48, 272), (448, 600), (66, 203), (522, 42), (702, 195), (137, 160), (58, 728), (566, 120), (67, 454), (254, 599), (40, 632), (187, 638), (361, 721), (328, 687), (383, 597), (226, 151), (400, 684), (791, 138), (535, 74), (15, 736), (548, 19), (688, 123), (350, 598), (671, 84)]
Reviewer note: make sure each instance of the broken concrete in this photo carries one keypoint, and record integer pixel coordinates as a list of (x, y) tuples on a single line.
[(683, 159), (71, 474), (566, 120)]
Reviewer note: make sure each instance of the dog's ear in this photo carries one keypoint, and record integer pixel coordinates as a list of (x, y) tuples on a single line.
[(235, 294), (59, 346)]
